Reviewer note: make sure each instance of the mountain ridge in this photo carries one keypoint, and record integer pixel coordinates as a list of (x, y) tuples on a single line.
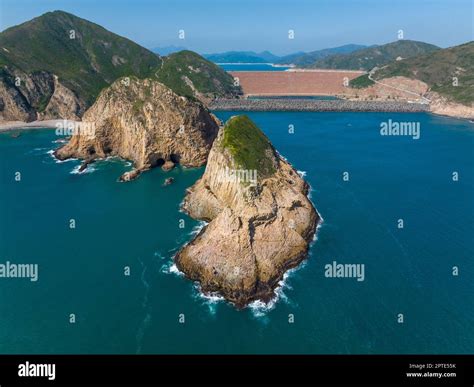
[(370, 57), (55, 65), (307, 58)]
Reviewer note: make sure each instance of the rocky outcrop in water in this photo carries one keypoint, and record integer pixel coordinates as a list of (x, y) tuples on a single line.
[(260, 219), (147, 123)]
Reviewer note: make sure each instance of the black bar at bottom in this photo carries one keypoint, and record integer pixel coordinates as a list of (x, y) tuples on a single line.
[(428, 370)]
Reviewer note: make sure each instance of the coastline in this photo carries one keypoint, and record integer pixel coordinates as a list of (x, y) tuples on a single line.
[(303, 105)]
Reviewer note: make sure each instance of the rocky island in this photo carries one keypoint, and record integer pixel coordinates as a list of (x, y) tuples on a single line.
[(260, 219), (143, 121)]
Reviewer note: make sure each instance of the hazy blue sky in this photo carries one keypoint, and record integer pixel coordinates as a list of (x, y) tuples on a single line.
[(220, 25)]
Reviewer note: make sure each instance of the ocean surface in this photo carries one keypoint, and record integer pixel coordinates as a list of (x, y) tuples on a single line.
[(251, 67), (407, 271)]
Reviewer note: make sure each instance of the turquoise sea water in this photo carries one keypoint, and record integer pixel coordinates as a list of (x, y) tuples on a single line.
[(136, 224)]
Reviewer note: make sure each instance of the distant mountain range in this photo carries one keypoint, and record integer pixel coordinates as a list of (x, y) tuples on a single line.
[(242, 57), (348, 57), (300, 58), (55, 65), (374, 56), (308, 58)]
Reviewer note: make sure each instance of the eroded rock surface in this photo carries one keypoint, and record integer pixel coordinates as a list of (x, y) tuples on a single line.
[(37, 96), (147, 123), (258, 228)]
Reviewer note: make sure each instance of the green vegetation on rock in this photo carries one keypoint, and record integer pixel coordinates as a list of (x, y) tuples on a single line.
[(249, 147)]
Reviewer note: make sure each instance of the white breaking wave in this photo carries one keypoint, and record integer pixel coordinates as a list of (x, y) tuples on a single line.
[(316, 233), (196, 229), (56, 160), (260, 309), (174, 270), (211, 300), (75, 170), (302, 173), (281, 156), (171, 268)]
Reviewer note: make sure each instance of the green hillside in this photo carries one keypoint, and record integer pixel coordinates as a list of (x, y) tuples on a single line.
[(437, 69), (361, 82), (86, 64), (86, 58), (185, 70), (368, 58)]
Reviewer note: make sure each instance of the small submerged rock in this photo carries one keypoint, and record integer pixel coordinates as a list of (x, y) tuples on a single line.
[(84, 165), (167, 166), (130, 175), (168, 181)]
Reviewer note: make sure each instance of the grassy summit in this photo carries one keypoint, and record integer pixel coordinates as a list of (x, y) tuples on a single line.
[(249, 147)]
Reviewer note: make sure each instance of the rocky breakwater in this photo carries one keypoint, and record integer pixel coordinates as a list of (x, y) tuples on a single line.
[(313, 105), (260, 219), (145, 122)]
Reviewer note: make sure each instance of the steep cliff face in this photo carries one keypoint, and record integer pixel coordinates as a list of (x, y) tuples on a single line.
[(37, 96), (145, 122), (261, 221)]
